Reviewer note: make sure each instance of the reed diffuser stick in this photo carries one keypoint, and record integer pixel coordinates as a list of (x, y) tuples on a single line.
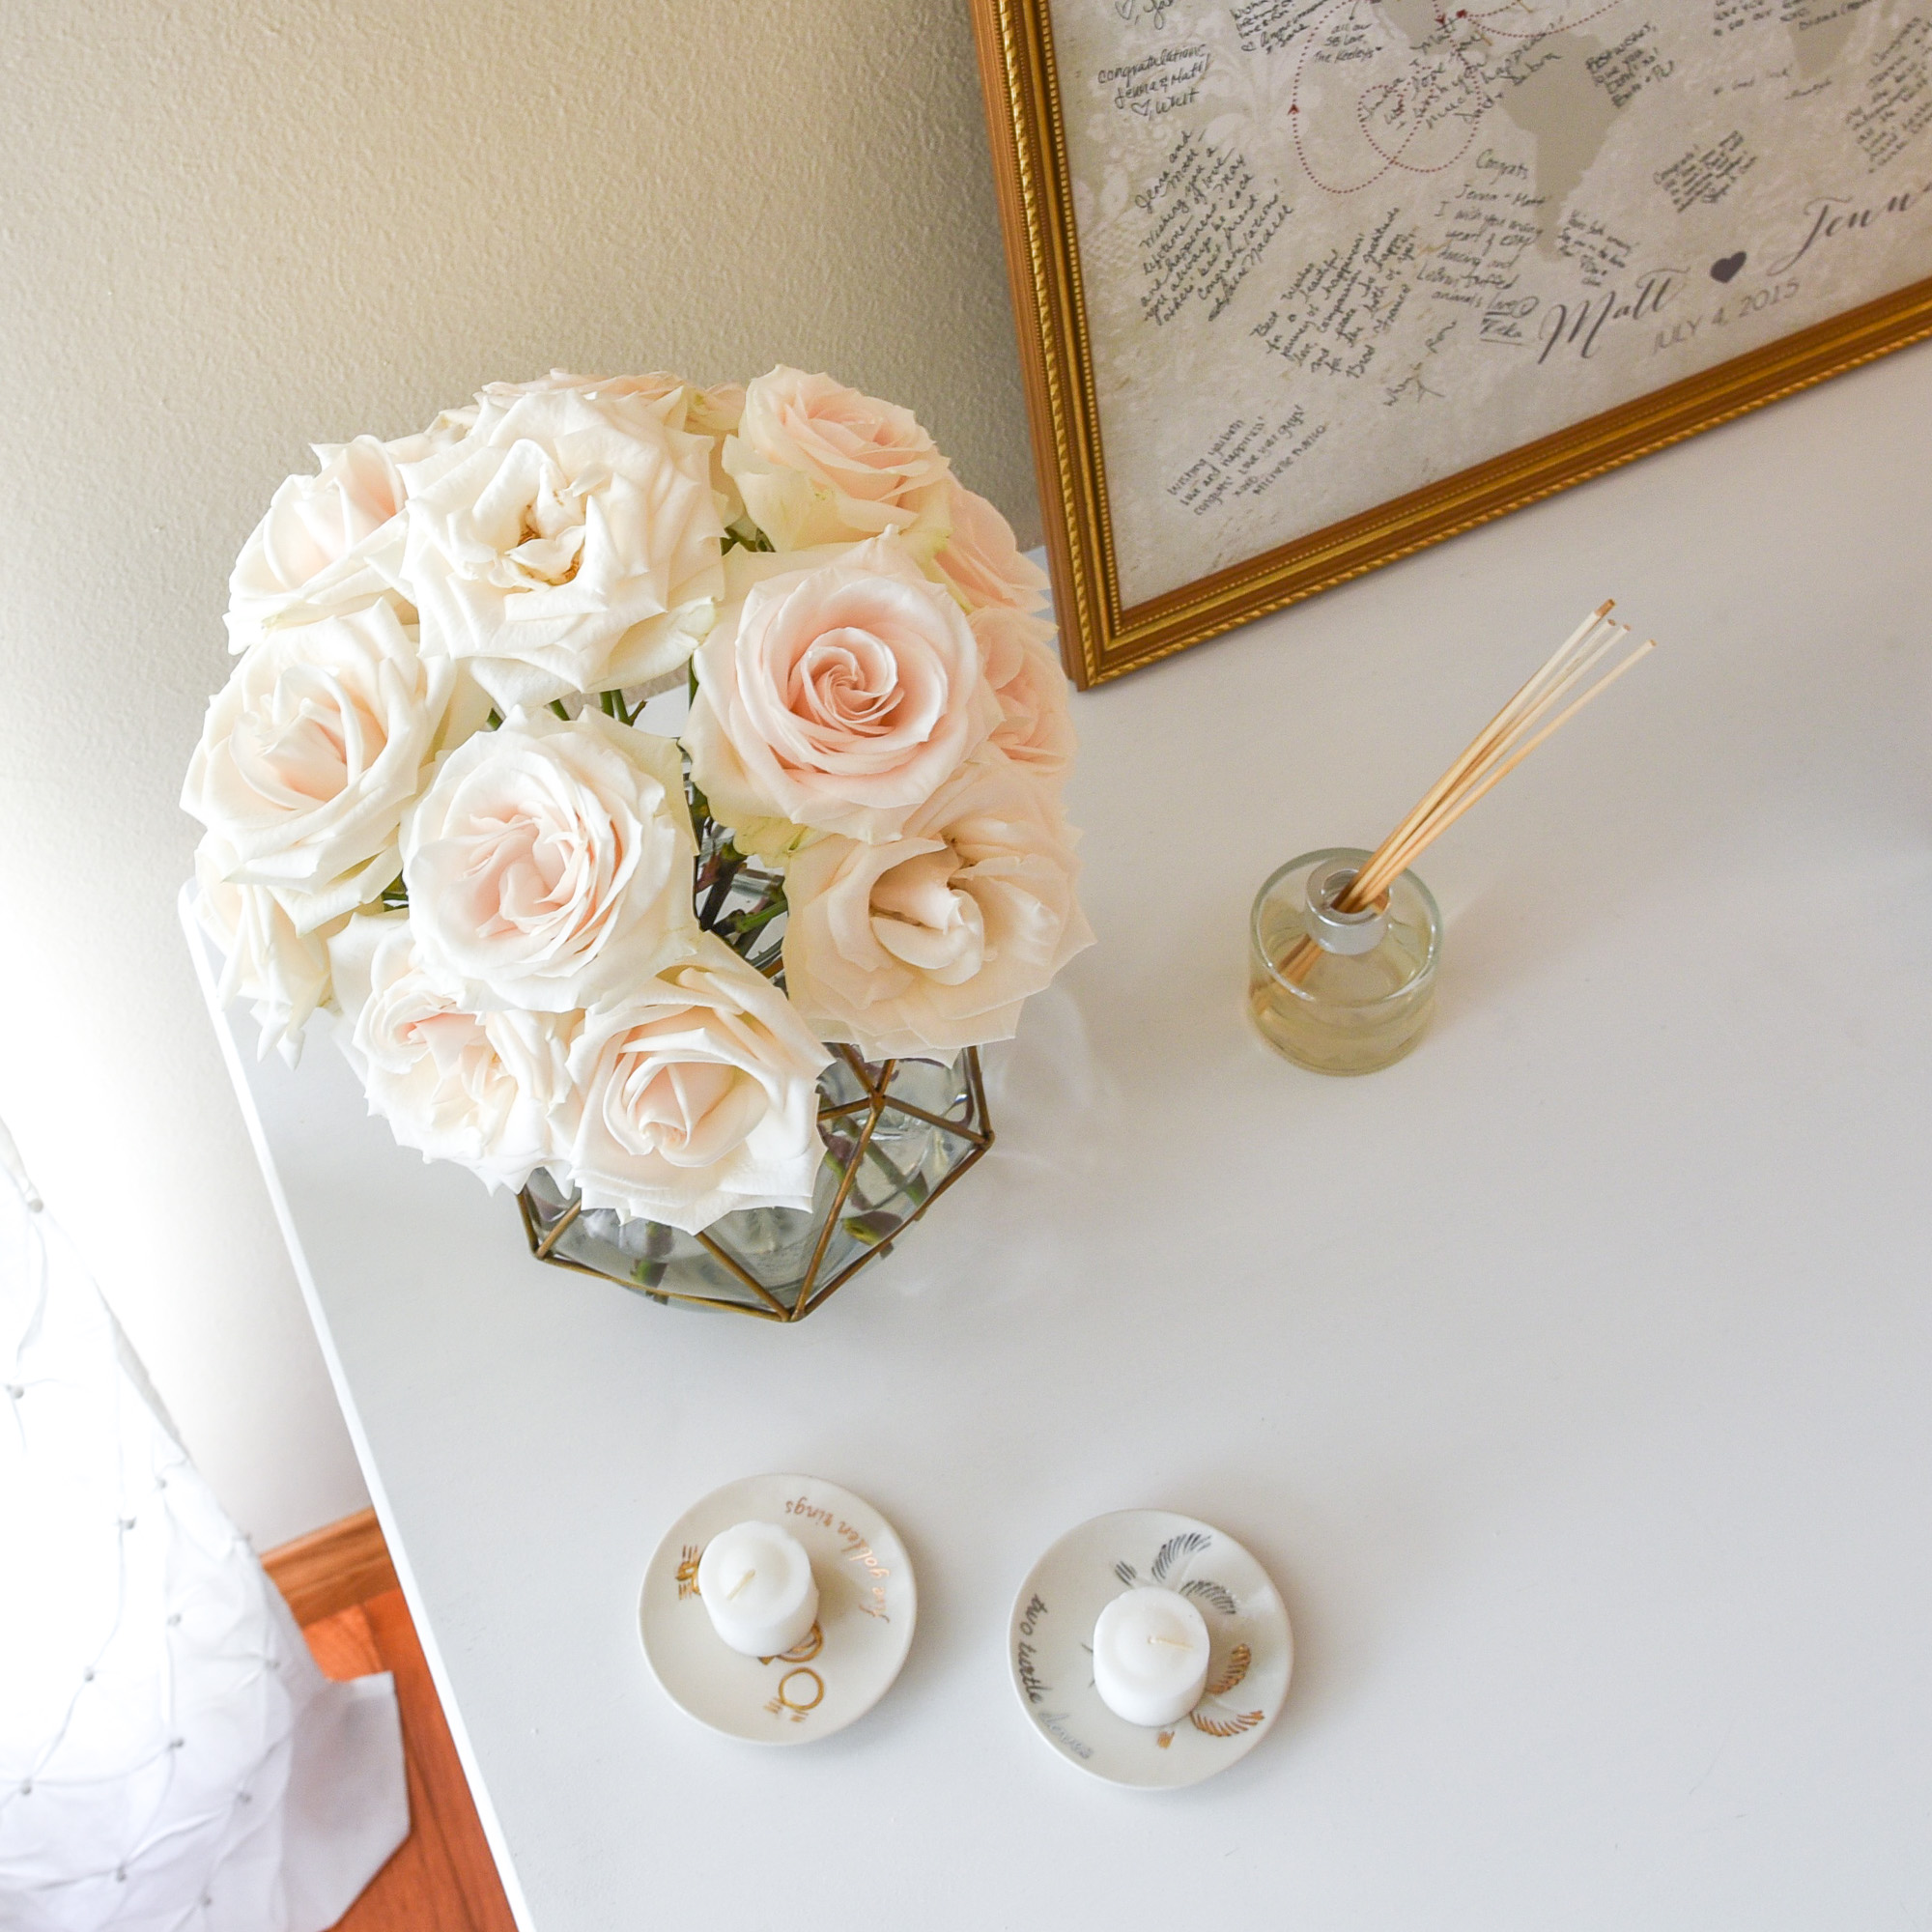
[(1486, 738), (1523, 724)]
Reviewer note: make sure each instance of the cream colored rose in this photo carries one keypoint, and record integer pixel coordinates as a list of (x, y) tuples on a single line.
[(718, 411), (550, 864), (663, 390), (491, 1091), (715, 413), (332, 542), (698, 1097), (711, 413), (281, 972), (982, 561), (312, 751), (836, 699), (683, 405), (569, 543), (819, 462), (1034, 728), (934, 940)]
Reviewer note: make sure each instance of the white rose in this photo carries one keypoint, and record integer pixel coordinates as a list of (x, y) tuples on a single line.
[(312, 751), (281, 972), (664, 392), (491, 1091), (569, 543), (819, 462), (711, 413), (1034, 728), (698, 1095), (982, 561), (718, 411), (332, 542), (838, 697), (715, 413), (550, 862), (933, 941)]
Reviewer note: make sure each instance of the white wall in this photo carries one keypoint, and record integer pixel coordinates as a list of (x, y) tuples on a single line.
[(226, 230)]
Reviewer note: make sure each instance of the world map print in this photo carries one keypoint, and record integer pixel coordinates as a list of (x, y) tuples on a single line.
[(1335, 250)]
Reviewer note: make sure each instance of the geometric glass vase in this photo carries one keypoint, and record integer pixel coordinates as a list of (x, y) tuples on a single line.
[(897, 1134)]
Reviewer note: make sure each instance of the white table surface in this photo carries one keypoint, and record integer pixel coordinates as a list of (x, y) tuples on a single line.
[(1573, 1378)]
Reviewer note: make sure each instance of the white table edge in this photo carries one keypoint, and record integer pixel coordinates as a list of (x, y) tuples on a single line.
[(231, 1055)]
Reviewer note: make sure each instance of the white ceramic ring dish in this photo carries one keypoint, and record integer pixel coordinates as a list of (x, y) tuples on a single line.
[(1049, 1647), (867, 1607)]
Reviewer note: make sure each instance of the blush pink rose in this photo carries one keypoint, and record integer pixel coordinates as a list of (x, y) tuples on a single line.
[(568, 543), (982, 561), (489, 1091), (819, 462), (313, 750), (1035, 731), (934, 941), (283, 974), (549, 863), (836, 699), (699, 1093), (332, 542)]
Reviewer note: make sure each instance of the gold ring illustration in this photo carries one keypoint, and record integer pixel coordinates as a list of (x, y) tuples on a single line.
[(817, 1689)]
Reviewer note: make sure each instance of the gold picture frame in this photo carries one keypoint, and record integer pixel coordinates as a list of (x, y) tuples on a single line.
[(1104, 638)]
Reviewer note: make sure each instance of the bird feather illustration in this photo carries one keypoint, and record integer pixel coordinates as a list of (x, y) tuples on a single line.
[(1232, 1672), (1225, 1728), (1202, 1591), (1176, 1550)]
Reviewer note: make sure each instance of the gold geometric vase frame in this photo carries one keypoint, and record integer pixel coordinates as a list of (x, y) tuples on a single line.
[(897, 1134)]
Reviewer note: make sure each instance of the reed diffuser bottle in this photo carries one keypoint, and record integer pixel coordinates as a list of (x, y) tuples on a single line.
[(1343, 943), (1359, 996)]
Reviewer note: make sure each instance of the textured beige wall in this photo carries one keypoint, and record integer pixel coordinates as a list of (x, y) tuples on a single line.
[(226, 230)]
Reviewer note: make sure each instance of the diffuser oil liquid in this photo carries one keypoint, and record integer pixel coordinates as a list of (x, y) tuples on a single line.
[(1341, 1012)]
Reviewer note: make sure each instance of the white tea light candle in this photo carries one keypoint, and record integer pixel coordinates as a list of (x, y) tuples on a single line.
[(756, 1583), (1151, 1656)]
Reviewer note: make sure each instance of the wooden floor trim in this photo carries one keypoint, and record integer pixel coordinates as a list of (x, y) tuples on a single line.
[(333, 1568), (342, 1588), (442, 1878)]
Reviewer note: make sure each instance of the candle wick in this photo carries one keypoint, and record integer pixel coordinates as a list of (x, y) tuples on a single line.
[(739, 1584), (1172, 1642)]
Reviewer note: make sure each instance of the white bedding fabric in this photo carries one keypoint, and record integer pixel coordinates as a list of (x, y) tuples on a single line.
[(170, 1756)]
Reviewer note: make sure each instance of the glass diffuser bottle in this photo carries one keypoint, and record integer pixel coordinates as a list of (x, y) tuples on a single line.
[(1340, 992), (1342, 944)]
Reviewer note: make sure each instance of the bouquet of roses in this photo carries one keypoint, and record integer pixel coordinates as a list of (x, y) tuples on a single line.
[(554, 938)]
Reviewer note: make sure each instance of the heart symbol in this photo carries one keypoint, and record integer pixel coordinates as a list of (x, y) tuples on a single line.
[(1723, 272)]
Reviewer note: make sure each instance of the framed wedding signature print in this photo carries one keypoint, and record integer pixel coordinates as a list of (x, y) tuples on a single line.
[(1304, 285)]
